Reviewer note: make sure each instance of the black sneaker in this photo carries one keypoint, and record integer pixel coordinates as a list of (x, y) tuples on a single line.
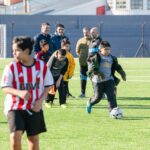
[(70, 95)]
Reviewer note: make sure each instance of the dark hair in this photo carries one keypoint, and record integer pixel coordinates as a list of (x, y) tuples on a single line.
[(62, 52), (24, 42), (64, 42), (43, 43), (60, 25), (105, 44)]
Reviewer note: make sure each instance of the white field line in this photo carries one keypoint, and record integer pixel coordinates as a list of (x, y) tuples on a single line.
[(128, 80), (142, 70), (137, 70), (138, 76), (143, 81)]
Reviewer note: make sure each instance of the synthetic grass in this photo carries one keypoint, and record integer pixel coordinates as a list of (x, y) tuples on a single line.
[(73, 129)]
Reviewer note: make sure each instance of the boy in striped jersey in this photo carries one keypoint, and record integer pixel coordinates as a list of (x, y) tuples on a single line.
[(26, 82)]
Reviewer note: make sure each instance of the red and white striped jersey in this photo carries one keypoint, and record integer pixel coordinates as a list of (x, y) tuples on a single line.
[(32, 78)]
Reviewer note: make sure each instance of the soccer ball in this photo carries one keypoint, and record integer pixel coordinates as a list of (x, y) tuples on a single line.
[(116, 113)]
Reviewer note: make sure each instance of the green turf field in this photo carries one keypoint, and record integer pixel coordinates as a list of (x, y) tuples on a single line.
[(73, 129)]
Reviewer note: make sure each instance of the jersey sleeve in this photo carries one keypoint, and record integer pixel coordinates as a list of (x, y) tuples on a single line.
[(48, 80), (7, 77)]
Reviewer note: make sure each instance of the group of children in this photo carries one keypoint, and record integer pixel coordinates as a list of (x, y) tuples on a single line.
[(27, 81), (61, 65)]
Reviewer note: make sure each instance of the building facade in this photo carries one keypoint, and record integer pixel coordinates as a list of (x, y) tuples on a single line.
[(129, 7)]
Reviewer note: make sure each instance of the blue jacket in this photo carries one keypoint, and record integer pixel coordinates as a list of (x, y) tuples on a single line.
[(56, 40), (38, 38)]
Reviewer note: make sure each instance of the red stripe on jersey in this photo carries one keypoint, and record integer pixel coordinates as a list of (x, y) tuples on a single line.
[(37, 65), (14, 86), (21, 82), (29, 81)]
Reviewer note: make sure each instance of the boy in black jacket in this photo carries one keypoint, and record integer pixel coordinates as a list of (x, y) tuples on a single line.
[(58, 64), (102, 67)]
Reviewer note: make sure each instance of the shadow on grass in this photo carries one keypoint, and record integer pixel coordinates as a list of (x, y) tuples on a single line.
[(106, 107), (133, 98), (135, 106), (135, 118), (118, 98), (3, 122)]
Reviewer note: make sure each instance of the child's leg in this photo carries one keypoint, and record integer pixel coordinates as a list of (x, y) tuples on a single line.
[(35, 124), (16, 128), (110, 92), (15, 140), (66, 87), (67, 90), (62, 95), (98, 93), (33, 142)]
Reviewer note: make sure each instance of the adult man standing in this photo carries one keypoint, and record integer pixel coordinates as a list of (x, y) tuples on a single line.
[(43, 35), (58, 36), (95, 41), (82, 49)]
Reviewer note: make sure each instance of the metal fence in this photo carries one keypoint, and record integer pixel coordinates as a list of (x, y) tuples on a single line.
[(126, 34)]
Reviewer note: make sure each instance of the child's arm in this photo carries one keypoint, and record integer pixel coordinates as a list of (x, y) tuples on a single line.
[(119, 69), (50, 61), (24, 94), (122, 73), (59, 81), (63, 71), (38, 103), (48, 81), (7, 86)]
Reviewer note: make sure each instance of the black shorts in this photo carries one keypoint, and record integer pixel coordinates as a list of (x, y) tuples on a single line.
[(31, 122)]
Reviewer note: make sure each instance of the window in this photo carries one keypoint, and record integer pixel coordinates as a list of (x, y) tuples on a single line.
[(121, 4), (136, 4), (148, 4)]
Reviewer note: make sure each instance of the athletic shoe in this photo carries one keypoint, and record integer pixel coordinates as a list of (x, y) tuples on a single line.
[(88, 107), (70, 95), (48, 105), (63, 106), (82, 96)]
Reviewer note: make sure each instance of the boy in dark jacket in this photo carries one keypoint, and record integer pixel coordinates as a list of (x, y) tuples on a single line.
[(58, 65), (102, 76)]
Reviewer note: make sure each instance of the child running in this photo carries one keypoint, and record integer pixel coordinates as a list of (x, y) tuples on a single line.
[(103, 77)]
